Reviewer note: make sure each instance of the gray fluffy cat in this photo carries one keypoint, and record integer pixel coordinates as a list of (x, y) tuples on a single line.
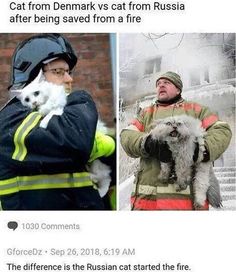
[(181, 133)]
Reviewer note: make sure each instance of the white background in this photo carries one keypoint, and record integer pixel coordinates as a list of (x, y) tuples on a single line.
[(203, 240), (199, 16)]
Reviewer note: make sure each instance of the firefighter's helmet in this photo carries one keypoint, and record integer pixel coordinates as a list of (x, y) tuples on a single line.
[(30, 55)]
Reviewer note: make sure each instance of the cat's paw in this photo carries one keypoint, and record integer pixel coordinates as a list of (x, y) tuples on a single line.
[(199, 201), (58, 111), (43, 123), (44, 110), (180, 187), (163, 176)]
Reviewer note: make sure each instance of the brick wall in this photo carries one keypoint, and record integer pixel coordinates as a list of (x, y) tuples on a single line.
[(92, 73)]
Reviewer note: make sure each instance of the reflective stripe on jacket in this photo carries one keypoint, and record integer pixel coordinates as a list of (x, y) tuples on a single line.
[(48, 162), (162, 197), (22, 132), (36, 182)]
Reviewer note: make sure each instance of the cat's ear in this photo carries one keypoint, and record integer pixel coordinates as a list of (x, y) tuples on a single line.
[(19, 95), (40, 77)]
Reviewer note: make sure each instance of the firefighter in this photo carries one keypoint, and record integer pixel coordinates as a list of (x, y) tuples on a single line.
[(149, 192), (45, 169)]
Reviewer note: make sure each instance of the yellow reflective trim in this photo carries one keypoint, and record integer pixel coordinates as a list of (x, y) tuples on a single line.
[(82, 174), (64, 180), (171, 189), (24, 153), (22, 131), (16, 140), (154, 190), (57, 186), (39, 177), (147, 190), (17, 147), (8, 181), (112, 197), (9, 191), (47, 186)]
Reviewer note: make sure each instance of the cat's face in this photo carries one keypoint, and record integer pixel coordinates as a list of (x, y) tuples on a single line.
[(33, 98), (179, 128), (176, 128), (42, 96)]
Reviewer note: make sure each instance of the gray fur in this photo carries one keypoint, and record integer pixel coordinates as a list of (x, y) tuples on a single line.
[(181, 134)]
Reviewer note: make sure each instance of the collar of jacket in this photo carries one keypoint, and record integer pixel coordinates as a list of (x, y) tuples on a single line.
[(176, 100)]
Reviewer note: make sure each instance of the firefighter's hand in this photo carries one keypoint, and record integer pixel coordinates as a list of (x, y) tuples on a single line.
[(165, 154), (205, 154), (151, 146)]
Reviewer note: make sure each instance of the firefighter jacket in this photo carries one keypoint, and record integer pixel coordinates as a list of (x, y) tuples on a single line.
[(150, 193), (45, 168)]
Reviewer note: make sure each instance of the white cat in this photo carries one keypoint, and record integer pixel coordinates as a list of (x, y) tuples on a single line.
[(45, 97), (100, 172)]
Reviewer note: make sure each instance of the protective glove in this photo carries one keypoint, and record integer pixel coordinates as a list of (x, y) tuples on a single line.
[(151, 146), (196, 152), (165, 154), (206, 155), (159, 150)]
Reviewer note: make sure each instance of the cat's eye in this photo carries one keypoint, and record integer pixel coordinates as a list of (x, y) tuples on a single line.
[(178, 124), (27, 99), (168, 123), (36, 93)]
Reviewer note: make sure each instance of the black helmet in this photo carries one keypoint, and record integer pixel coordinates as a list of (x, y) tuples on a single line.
[(30, 54)]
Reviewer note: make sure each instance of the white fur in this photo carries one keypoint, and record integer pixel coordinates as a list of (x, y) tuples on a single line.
[(101, 127), (100, 174), (47, 98), (181, 134)]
